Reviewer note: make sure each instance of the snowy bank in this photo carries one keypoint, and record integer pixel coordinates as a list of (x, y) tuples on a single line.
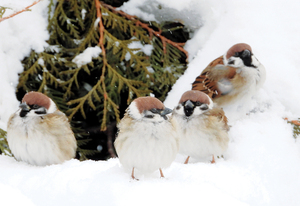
[(261, 166)]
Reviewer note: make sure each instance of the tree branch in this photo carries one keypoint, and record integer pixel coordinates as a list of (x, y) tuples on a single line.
[(18, 12), (151, 31), (295, 122)]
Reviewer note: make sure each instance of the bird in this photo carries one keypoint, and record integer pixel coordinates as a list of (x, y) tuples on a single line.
[(38, 133), (235, 76), (202, 127), (146, 139)]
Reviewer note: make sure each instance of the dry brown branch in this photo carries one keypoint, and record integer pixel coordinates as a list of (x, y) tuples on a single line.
[(151, 31), (101, 27), (18, 12), (101, 43)]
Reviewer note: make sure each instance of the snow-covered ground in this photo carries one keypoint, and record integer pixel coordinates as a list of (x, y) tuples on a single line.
[(262, 164)]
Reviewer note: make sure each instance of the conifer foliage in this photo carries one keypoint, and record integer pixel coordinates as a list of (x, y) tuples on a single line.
[(4, 149), (128, 58)]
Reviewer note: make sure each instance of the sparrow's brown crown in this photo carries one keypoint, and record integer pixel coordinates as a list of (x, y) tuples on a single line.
[(147, 103), (237, 48), (37, 98), (195, 96)]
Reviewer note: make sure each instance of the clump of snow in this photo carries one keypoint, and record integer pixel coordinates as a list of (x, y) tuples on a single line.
[(19, 35), (147, 49), (86, 56), (192, 13), (261, 165)]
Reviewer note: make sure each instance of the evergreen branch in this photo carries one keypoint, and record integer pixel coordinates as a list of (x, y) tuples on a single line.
[(151, 31), (163, 39), (296, 126), (77, 12), (81, 101), (128, 82), (2, 10), (63, 18), (73, 111), (25, 74), (50, 5), (125, 48), (4, 148), (295, 122), (51, 59), (71, 80), (48, 76), (18, 12)]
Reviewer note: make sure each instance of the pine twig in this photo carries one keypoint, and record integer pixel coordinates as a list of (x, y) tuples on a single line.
[(151, 31), (18, 12)]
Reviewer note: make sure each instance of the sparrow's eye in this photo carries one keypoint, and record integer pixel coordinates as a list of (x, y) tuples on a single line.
[(154, 110), (35, 106), (40, 110), (204, 107), (197, 103), (246, 53), (236, 54)]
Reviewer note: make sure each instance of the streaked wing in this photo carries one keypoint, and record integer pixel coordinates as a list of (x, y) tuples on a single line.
[(220, 114), (215, 79)]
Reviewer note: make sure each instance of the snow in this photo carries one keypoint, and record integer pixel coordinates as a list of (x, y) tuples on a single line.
[(261, 165), (138, 46), (86, 56)]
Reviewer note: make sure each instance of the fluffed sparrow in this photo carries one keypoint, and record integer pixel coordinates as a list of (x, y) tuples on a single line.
[(38, 133)]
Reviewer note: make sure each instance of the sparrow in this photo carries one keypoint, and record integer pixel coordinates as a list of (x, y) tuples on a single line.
[(38, 133), (236, 75), (146, 140), (202, 127)]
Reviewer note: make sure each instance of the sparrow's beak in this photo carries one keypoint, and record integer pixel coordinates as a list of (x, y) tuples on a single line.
[(188, 108), (189, 105), (24, 109), (246, 53), (164, 112)]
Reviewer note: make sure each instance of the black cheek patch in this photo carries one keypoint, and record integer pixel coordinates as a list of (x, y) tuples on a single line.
[(247, 61), (41, 111), (188, 111), (23, 113)]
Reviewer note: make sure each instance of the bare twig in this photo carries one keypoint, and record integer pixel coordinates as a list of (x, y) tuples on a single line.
[(18, 12)]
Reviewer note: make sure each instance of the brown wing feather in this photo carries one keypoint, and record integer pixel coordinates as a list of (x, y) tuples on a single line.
[(219, 113), (207, 81)]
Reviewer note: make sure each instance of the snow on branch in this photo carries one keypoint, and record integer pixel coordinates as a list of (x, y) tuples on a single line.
[(18, 12), (151, 31)]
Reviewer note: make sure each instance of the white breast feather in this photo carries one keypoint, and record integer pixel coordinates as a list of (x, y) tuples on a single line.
[(31, 144), (147, 147), (197, 141)]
